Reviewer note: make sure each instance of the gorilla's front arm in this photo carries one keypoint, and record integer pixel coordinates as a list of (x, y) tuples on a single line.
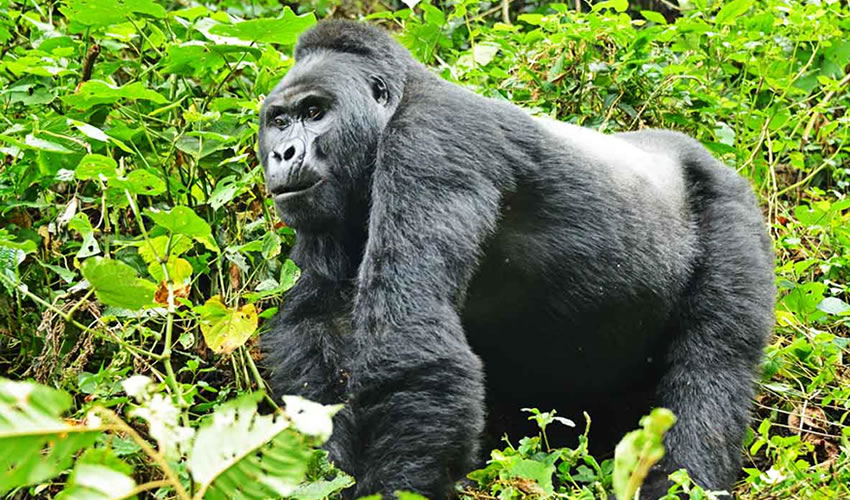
[(419, 392)]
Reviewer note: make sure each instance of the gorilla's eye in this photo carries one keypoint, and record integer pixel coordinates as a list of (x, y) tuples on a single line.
[(280, 121), (379, 90), (313, 113)]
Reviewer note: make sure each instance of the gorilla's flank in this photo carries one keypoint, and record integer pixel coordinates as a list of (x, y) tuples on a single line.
[(443, 236)]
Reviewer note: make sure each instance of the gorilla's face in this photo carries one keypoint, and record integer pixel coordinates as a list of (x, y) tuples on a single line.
[(319, 131)]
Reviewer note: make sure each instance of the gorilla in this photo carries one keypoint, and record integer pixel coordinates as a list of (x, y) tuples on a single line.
[(462, 259)]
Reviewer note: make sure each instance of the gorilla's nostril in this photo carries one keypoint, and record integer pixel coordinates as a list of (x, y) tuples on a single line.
[(276, 156), (289, 153)]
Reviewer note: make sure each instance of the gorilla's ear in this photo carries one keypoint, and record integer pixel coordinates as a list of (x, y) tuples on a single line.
[(380, 91)]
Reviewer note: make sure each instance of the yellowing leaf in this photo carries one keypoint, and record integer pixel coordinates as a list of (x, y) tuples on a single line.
[(226, 329)]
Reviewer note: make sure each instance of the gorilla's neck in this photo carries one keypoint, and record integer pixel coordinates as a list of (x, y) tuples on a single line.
[(331, 255)]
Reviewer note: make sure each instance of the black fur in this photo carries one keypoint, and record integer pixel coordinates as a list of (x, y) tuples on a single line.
[(450, 230)]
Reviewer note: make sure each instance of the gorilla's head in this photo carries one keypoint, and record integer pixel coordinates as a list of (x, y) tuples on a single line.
[(320, 127)]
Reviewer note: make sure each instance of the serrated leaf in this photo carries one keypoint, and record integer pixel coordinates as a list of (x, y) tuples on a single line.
[(94, 92), (98, 13), (241, 454), (182, 220), (224, 328), (284, 30), (37, 444), (117, 284)]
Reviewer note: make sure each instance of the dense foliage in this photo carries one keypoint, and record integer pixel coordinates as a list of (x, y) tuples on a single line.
[(139, 255)]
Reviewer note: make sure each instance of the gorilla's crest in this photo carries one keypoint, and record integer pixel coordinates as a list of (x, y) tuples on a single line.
[(348, 37)]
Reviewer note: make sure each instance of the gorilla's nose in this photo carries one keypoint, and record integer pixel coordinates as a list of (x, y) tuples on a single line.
[(284, 170), (289, 154)]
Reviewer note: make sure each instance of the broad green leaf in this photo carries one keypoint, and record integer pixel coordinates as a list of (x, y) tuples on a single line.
[(192, 59), (117, 284), (179, 270), (92, 166), (283, 30), (731, 11), (834, 305), (141, 182), (155, 248), (639, 450), (97, 482), (37, 443), (538, 472), (182, 220), (241, 454), (655, 17), (224, 328), (39, 144), (94, 92), (98, 13), (89, 131), (192, 13)]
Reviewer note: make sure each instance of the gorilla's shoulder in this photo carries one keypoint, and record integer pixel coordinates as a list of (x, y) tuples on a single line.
[(350, 37)]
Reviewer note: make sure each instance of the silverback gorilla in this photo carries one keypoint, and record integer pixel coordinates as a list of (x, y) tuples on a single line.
[(461, 258)]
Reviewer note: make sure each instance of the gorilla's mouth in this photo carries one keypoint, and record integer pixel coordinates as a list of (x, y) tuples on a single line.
[(294, 188)]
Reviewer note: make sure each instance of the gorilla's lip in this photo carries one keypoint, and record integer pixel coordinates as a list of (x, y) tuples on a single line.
[(295, 188)]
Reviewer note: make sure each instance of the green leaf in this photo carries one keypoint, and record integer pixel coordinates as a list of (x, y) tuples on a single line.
[(80, 223), (225, 329), (117, 284), (39, 144), (731, 11), (834, 305), (97, 482), (617, 5), (179, 270), (37, 444), (539, 472), (639, 450), (284, 30), (154, 248), (92, 166), (289, 274), (655, 17), (319, 490), (182, 220), (141, 182), (98, 13), (94, 92), (241, 454)]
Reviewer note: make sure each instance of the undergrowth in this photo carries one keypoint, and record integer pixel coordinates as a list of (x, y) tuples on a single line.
[(140, 256)]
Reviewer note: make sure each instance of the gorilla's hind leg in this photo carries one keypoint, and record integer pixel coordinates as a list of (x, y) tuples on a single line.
[(720, 330)]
